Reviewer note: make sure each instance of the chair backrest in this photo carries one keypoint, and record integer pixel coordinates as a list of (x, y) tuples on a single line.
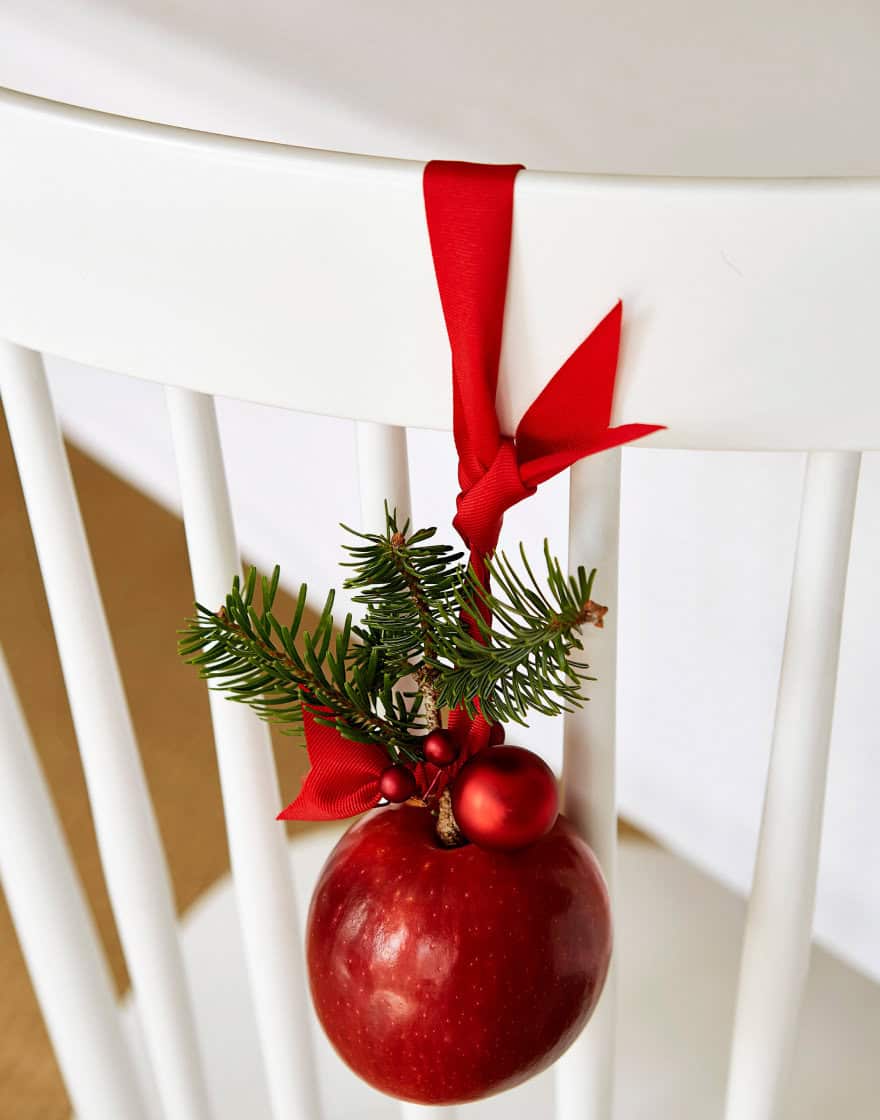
[(304, 280)]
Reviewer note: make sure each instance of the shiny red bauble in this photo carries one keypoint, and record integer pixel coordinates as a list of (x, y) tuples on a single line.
[(505, 798), (397, 784), (444, 975), (439, 748)]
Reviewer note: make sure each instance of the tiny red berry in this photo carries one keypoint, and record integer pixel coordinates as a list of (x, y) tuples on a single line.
[(397, 784), (440, 748)]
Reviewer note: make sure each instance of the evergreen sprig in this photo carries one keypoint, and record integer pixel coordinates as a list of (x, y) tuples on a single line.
[(418, 597), (524, 660), (257, 660), (407, 585)]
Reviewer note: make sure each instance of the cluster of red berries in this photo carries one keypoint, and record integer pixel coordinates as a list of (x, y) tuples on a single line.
[(504, 797), (397, 783)]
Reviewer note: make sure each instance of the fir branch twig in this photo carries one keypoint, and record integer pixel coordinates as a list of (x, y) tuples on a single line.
[(415, 593), (255, 660), (523, 661), (407, 586)]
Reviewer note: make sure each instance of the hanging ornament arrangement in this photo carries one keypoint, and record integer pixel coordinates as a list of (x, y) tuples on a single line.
[(460, 934)]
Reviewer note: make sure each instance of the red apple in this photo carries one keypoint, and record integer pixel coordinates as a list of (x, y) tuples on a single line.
[(445, 975)]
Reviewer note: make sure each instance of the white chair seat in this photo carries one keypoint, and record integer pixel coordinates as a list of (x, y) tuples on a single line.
[(678, 88), (678, 938)]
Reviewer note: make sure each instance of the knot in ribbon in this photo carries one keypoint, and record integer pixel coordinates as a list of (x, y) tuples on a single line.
[(481, 507)]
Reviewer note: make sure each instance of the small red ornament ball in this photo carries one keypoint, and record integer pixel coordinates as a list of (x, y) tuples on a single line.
[(397, 784), (440, 748), (505, 798)]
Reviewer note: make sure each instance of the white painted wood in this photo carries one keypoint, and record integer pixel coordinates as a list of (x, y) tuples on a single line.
[(735, 310), (56, 931), (585, 1075), (776, 946), (251, 797), (383, 474), (633, 88), (131, 851), (323, 296), (426, 1112)]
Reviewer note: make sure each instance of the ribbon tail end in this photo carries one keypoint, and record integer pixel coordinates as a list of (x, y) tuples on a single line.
[(626, 433)]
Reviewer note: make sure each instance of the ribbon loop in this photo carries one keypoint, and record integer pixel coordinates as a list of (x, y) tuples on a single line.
[(469, 210)]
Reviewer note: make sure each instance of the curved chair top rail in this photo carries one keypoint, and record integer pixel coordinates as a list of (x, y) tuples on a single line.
[(303, 279)]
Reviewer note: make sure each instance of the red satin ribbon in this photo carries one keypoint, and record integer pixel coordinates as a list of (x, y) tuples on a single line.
[(469, 210), (343, 780)]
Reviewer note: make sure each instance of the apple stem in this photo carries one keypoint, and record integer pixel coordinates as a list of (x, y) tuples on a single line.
[(448, 832)]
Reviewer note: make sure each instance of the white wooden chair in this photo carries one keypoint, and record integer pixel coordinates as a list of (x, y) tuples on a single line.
[(303, 280)]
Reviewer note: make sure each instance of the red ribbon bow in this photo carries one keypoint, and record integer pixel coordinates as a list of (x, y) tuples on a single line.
[(344, 777), (469, 210)]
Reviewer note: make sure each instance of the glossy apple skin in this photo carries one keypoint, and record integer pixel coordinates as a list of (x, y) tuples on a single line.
[(443, 976)]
